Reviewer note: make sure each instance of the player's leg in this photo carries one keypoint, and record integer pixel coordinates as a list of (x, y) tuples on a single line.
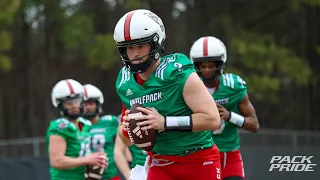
[(158, 173), (232, 166)]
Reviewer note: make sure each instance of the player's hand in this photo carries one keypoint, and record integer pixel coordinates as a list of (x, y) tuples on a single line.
[(224, 113), (153, 119), (98, 158), (126, 120)]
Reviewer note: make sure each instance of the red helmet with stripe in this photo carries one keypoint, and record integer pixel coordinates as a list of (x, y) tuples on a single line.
[(64, 90), (138, 27), (209, 49)]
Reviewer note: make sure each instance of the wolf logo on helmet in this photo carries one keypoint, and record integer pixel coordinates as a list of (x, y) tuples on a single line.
[(157, 20)]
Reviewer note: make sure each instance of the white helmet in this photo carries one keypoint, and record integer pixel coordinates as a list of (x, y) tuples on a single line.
[(209, 49), (92, 93), (137, 27), (65, 90)]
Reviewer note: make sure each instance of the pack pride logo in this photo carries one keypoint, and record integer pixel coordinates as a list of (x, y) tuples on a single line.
[(293, 164)]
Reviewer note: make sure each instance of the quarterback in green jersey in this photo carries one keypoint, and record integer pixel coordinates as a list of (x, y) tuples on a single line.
[(104, 129), (68, 137), (174, 99), (209, 56)]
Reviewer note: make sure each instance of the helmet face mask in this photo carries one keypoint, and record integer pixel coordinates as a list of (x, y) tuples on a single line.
[(93, 99), (92, 109), (67, 97), (139, 27), (71, 108), (217, 69)]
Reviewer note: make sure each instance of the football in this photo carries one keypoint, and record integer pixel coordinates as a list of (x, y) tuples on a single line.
[(144, 139), (94, 172)]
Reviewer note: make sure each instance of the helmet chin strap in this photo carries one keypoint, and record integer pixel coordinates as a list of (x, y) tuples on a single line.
[(65, 112), (98, 111), (209, 80), (143, 66), (90, 115), (71, 116)]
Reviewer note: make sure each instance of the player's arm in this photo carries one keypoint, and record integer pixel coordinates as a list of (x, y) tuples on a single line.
[(58, 160), (248, 112), (123, 133), (128, 155), (120, 158), (205, 113)]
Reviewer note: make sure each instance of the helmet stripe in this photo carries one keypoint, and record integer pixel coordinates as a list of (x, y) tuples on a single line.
[(70, 87), (205, 46), (127, 26), (85, 91)]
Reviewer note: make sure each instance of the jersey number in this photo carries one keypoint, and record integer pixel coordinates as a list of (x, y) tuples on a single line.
[(98, 141), (178, 65), (85, 149), (241, 81), (221, 128)]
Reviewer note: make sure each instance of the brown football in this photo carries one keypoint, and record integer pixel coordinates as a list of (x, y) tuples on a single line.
[(144, 139), (94, 172)]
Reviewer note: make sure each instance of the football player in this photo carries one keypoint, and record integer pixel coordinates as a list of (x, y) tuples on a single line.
[(209, 56), (183, 110), (68, 136), (104, 129)]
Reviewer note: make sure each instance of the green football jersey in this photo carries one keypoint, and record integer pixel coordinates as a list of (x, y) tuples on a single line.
[(232, 89), (103, 135), (163, 91), (138, 156), (78, 144)]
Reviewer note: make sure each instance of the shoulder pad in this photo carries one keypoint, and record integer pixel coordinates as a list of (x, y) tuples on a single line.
[(173, 65), (85, 121), (233, 81), (62, 124), (123, 76), (110, 118)]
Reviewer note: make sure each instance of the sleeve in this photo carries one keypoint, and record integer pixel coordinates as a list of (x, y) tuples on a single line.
[(115, 121), (179, 68), (123, 76), (240, 87), (58, 128)]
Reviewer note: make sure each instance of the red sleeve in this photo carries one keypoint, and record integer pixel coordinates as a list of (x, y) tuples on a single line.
[(123, 112), (125, 133)]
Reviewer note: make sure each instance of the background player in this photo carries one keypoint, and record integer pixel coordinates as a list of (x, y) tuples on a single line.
[(209, 56), (183, 110), (68, 136), (104, 128)]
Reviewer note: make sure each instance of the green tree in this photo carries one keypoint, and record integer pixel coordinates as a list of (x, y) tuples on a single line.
[(7, 13)]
